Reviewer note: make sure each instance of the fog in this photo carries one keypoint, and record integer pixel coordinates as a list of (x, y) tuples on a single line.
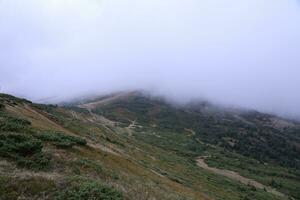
[(242, 53)]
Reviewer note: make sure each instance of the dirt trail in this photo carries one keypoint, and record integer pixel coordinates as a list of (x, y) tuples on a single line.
[(104, 122), (99, 118), (75, 115), (61, 128), (236, 176), (191, 131), (104, 148), (101, 102), (130, 127)]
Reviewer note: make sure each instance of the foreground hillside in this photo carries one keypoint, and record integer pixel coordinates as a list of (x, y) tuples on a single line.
[(132, 146)]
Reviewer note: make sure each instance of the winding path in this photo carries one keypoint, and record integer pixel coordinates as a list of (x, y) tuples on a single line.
[(236, 176)]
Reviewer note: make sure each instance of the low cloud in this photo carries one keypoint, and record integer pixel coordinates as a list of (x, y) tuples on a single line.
[(243, 53)]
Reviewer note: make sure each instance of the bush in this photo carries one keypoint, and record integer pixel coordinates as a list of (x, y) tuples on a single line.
[(61, 140), (24, 149), (84, 189), (15, 144), (39, 161), (13, 124)]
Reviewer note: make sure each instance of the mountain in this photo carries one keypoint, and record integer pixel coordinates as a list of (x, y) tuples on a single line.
[(131, 145)]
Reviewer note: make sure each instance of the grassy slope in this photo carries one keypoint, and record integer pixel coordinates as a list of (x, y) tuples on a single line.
[(250, 133), (146, 163)]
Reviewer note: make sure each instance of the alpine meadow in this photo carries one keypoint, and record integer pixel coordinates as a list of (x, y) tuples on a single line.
[(149, 100)]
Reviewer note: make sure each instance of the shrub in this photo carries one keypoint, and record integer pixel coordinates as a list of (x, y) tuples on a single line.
[(24, 149), (84, 189), (39, 161), (13, 124), (15, 144), (61, 140)]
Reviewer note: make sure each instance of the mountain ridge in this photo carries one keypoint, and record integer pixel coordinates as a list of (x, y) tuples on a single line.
[(145, 148)]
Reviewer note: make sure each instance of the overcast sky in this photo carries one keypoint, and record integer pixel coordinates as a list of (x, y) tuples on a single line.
[(237, 52)]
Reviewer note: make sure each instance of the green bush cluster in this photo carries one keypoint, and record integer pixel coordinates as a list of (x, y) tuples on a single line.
[(39, 161), (19, 144), (24, 149), (13, 124), (61, 140), (85, 189)]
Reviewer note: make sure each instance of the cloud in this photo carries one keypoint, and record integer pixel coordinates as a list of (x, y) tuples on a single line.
[(236, 52)]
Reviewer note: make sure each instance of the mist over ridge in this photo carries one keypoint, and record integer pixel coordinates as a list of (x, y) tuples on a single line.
[(240, 53)]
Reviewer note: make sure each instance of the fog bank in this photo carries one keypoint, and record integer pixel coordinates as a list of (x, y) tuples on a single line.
[(243, 53)]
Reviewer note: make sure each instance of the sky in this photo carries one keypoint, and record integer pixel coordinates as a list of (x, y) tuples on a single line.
[(242, 53)]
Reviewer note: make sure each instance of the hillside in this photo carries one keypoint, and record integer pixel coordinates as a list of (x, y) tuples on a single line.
[(134, 146)]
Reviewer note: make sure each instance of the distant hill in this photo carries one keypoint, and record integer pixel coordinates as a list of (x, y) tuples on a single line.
[(136, 146), (262, 136)]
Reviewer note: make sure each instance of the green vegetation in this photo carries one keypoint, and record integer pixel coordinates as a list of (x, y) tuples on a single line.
[(85, 166), (181, 144), (25, 188), (60, 140), (280, 178), (79, 188), (13, 124), (19, 144), (25, 150), (248, 133), (179, 166), (153, 158)]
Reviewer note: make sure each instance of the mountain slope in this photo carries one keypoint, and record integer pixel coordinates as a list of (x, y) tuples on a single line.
[(261, 136), (133, 146)]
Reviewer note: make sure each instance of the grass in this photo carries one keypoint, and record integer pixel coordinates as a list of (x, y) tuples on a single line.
[(80, 188), (86, 166), (174, 161), (25, 188), (153, 163), (251, 132), (283, 179)]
